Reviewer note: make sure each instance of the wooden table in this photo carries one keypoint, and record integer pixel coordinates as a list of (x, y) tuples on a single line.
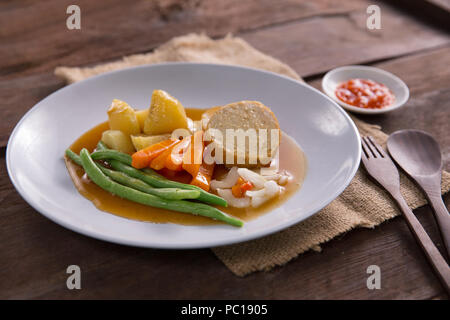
[(312, 37)]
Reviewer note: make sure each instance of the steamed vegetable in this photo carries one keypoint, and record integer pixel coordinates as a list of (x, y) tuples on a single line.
[(165, 193), (165, 115), (203, 177), (101, 146), (99, 178), (160, 161), (193, 159), (123, 118), (232, 200), (141, 115), (143, 141), (155, 180), (241, 187), (74, 157), (174, 160), (142, 158), (105, 154), (122, 178), (228, 182), (118, 140)]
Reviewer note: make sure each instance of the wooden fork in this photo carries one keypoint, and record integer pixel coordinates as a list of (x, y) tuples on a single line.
[(381, 168)]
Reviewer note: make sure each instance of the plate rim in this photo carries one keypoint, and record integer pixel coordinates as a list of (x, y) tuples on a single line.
[(213, 243)]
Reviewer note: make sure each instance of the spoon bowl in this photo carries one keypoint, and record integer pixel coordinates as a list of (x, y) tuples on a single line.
[(417, 152)]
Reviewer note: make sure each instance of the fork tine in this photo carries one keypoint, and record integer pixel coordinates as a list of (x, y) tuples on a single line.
[(369, 148), (366, 152), (377, 147)]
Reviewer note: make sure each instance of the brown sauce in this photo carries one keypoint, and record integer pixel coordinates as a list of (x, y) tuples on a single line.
[(292, 159)]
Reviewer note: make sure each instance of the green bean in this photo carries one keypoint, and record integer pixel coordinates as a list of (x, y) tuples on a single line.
[(165, 193), (101, 146), (99, 178), (161, 182), (112, 154), (153, 173), (74, 157), (149, 176)]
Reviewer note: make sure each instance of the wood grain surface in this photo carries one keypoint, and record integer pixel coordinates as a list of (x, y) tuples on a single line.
[(312, 37), (321, 35)]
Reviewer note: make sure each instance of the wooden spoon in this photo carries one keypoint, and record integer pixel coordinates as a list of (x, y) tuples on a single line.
[(418, 154)]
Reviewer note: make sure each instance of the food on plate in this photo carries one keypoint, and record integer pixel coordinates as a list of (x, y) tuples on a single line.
[(246, 188), (143, 158), (141, 115), (99, 178), (207, 115), (166, 114), (142, 141), (123, 118), (118, 140), (364, 93), (140, 165), (250, 117)]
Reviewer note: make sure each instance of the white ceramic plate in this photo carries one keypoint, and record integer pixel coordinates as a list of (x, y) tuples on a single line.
[(336, 76), (35, 150)]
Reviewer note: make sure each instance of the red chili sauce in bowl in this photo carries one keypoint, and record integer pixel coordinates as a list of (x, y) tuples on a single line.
[(365, 94)]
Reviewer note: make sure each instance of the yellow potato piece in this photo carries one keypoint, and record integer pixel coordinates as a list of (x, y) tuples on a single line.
[(141, 115), (144, 141), (117, 140), (165, 115), (122, 117)]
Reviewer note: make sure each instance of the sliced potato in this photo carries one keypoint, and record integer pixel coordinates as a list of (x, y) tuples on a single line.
[(122, 117), (117, 140), (143, 141), (141, 115), (166, 114)]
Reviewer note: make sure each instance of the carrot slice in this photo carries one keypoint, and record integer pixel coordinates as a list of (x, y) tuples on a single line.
[(203, 177), (246, 186), (142, 158), (159, 162), (236, 189), (241, 186), (193, 158), (175, 159)]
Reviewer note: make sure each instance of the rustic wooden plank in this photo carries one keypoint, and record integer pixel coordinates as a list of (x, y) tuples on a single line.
[(36, 253), (36, 250), (35, 37), (315, 45), (442, 4), (436, 12), (339, 38), (31, 50)]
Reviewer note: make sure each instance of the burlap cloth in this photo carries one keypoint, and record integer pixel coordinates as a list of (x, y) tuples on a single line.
[(362, 204)]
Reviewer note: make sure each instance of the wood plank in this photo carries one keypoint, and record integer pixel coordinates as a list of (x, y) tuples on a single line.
[(36, 253), (35, 38), (318, 44), (36, 250), (436, 12), (339, 38)]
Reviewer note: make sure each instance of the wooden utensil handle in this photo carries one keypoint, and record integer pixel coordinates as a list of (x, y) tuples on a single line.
[(432, 253), (442, 218)]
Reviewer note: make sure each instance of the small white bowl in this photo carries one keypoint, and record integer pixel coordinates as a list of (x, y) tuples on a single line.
[(336, 76)]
